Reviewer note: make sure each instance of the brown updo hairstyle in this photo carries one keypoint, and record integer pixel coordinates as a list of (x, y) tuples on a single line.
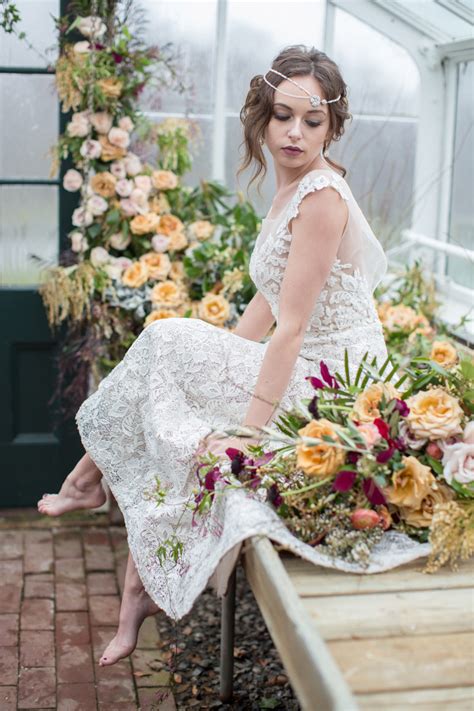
[(255, 115)]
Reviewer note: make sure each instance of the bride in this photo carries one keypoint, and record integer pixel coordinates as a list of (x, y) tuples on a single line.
[(315, 264)]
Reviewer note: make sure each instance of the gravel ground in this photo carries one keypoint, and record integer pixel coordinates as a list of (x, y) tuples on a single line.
[(260, 681)]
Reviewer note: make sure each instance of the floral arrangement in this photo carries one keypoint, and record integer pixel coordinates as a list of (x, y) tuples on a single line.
[(142, 245), (363, 456)]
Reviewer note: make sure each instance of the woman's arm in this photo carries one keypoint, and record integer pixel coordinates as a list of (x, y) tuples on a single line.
[(317, 232), (256, 320)]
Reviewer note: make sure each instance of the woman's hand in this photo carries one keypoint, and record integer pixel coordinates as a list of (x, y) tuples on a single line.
[(218, 445)]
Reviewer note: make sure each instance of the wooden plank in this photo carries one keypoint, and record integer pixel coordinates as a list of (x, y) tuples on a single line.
[(392, 614), (312, 671), (461, 699), (403, 663), (310, 580)]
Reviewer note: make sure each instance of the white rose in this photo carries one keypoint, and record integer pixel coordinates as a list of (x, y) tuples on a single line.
[(79, 126), (72, 180), (91, 26), (143, 182), (458, 458), (160, 243), (119, 241), (117, 168), (83, 47), (140, 200), (124, 262), (91, 149), (78, 242), (124, 187), (133, 164), (114, 270), (118, 137), (128, 207), (99, 256), (126, 123), (102, 121), (97, 205), (82, 217)]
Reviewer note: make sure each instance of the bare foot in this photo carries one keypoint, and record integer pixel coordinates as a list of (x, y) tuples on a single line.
[(136, 606), (81, 490)]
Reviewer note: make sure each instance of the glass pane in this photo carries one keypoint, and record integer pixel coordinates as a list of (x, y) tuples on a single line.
[(25, 134), (461, 228), (432, 16), (381, 76), (37, 23), (190, 27), (28, 226), (258, 31)]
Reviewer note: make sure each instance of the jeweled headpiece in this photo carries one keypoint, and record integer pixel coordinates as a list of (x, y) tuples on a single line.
[(314, 99)]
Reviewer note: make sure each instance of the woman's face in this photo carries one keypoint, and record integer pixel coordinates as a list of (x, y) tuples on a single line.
[(296, 123)]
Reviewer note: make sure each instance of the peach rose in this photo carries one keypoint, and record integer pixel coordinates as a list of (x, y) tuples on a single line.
[(169, 224), (102, 121), (140, 199), (421, 516), (370, 433), (422, 327), (79, 243), (164, 180), (323, 459), (144, 224), (135, 275), (366, 405), (410, 484), (201, 230), (99, 256), (177, 240), (434, 414), (103, 184), (109, 151), (158, 264), (143, 183), (166, 293), (214, 309), (444, 353), (126, 124), (119, 241), (110, 87), (133, 164), (399, 318), (158, 314), (79, 125), (160, 204), (177, 271)]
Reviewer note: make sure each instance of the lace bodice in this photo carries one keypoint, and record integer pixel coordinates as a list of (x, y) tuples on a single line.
[(344, 313)]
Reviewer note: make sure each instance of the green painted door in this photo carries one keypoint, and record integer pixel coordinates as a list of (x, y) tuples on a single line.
[(35, 454)]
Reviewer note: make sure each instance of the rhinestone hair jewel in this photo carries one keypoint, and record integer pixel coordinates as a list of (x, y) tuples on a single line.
[(314, 99)]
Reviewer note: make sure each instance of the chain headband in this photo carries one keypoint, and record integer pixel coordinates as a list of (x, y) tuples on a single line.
[(314, 99)]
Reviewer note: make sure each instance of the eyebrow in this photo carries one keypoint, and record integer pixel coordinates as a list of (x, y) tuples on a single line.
[(310, 111)]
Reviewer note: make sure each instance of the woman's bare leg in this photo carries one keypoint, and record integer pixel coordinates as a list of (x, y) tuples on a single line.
[(81, 490), (136, 606)]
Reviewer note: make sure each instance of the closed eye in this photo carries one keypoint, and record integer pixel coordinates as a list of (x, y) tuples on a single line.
[(313, 124)]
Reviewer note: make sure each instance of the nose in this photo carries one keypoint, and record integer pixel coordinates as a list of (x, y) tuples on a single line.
[(294, 130)]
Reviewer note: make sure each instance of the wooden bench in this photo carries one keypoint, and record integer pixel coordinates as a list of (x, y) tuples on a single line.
[(392, 640)]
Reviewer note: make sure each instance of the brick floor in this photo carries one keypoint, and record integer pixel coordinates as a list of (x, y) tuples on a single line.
[(59, 602)]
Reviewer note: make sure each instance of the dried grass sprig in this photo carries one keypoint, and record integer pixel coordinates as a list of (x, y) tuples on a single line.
[(451, 535), (67, 293)]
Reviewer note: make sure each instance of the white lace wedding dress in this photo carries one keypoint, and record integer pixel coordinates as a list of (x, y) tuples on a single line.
[(183, 378)]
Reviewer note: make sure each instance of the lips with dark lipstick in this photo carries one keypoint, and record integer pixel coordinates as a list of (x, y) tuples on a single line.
[(292, 150)]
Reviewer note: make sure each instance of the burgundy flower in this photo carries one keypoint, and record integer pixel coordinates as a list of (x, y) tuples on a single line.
[(211, 477), (118, 58), (344, 480), (264, 459), (274, 496), (383, 428), (254, 482), (373, 492), (97, 45), (326, 375), (313, 407), (352, 457), (386, 454), (398, 443), (402, 407), (315, 382)]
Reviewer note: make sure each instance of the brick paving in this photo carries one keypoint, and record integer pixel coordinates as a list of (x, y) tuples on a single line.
[(59, 601)]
